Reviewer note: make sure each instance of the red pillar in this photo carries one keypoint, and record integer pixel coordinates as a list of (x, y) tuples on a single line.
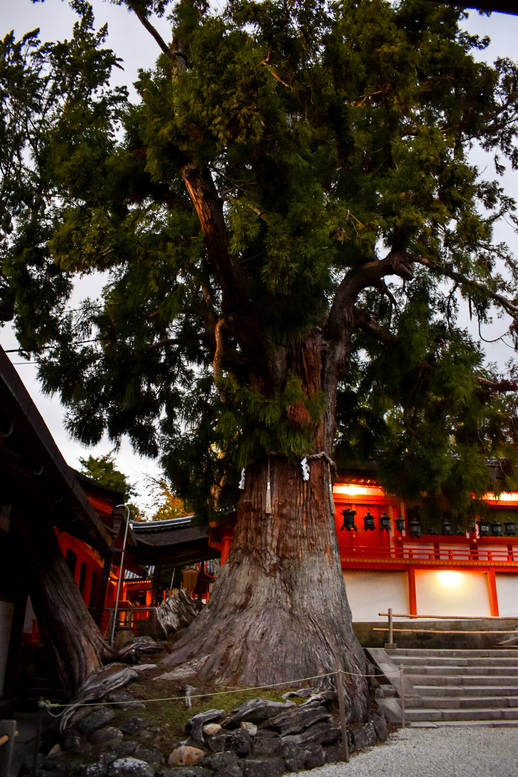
[(412, 595), (493, 595)]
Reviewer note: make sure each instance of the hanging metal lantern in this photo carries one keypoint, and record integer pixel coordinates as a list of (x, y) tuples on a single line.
[(384, 522), (484, 528), (348, 523), (368, 521), (510, 528), (496, 529), (447, 528), (414, 528), (400, 523)]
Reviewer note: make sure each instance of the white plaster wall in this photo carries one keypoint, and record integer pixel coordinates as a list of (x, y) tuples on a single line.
[(454, 593), (370, 593), (6, 618), (507, 591)]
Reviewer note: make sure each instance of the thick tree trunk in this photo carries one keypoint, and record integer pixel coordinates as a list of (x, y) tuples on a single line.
[(68, 629), (279, 610)]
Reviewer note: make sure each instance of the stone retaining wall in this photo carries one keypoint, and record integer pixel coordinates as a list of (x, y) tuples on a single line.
[(260, 738), (427, 638)]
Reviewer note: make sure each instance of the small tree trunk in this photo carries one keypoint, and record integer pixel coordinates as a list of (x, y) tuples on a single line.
[(69, 631), (279, 610)]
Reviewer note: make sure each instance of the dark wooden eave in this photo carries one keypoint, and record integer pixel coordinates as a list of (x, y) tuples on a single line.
[(32, 469), (173, 542)]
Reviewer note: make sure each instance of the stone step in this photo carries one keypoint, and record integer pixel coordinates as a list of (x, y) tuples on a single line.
[(458, 723), (503, 662), (456, 686), (467, 702), (473, 671), (496, 691), (433, 714), (438, 652), (452, 678)]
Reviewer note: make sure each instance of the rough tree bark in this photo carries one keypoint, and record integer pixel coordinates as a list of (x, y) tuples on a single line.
[(279, 610), (68, 629)]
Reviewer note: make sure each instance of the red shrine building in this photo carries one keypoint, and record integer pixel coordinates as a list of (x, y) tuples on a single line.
[(388, 560)]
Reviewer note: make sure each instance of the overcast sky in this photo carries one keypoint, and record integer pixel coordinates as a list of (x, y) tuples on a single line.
[(137, 49)]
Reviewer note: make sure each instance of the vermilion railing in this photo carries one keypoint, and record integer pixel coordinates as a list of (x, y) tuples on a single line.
[(420, 554)]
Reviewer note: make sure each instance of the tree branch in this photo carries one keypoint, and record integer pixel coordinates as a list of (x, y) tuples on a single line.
[(500, 386), (151, 29), (365, 321), (369, 274), (506, 304), (208, 206), (163, 343)]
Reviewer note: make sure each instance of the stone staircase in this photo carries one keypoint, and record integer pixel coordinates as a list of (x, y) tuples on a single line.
[(450, 687)]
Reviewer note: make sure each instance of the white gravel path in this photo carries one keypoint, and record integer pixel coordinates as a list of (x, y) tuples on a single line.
[(469, 751)]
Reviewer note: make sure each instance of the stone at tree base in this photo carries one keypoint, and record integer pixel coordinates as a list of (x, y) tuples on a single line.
[(364, 737), (94, 720), (194, 726), (73, 743), (91, 770), (145, 734), (184, 755), (309, 756), (211, 729), (380, 725), (220, 743), (135, 724), (256, 711), (266, 744), (56, 767), (186, 771), (241, 742), (55, 751), (298, 719), (124, 700), (130, 767), (250, 727), (121, 750), (324, 733), (263, 767), (107, 736), (333, 753), (150, 754), (223, 764), (315, 756)]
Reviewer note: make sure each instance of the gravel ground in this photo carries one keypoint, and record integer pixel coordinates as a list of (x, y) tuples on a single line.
[(434, 752)]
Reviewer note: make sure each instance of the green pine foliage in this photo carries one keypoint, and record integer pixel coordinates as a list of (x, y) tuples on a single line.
[(331, 144), (103, 470)]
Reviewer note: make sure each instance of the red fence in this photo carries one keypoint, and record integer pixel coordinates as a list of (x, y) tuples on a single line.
[(436, 554)]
